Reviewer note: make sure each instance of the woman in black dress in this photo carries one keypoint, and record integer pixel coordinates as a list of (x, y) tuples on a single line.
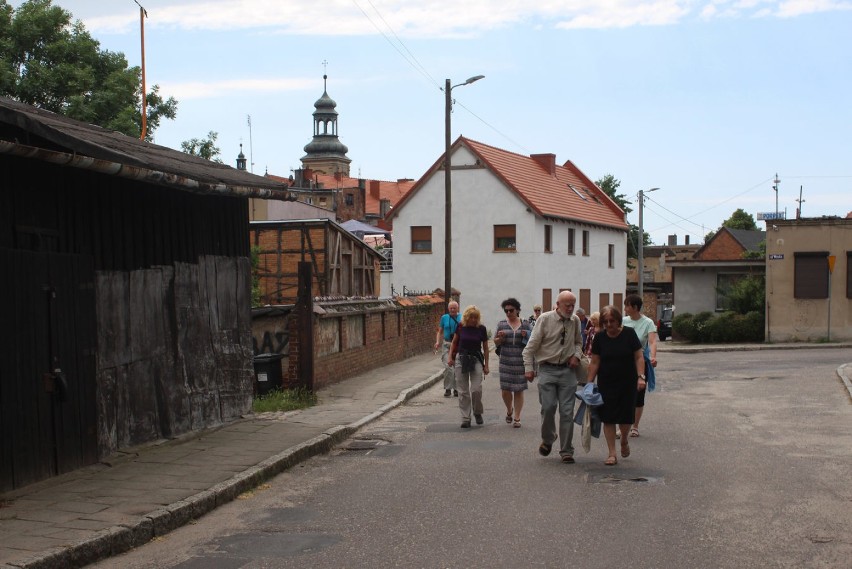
[(618, 362)]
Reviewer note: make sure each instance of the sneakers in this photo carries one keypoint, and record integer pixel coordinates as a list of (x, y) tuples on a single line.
[(446, 393), (478, 418)]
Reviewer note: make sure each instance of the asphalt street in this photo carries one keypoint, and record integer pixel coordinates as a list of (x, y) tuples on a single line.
[(743, 461)]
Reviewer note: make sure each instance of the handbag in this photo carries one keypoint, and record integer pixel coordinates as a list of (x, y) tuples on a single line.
[(582, 370)]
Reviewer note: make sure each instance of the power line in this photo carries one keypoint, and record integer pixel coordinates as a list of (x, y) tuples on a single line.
[(412, 61)]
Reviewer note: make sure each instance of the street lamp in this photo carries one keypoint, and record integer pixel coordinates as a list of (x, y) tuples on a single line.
[(641, 280), (448, 208)]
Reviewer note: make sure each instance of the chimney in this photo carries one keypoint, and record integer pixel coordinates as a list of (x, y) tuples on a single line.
[(546, 161), (384, 207), (687, 239), (374, 189), (672, 240)]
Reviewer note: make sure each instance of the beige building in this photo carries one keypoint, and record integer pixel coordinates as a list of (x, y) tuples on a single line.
[(808, 279)]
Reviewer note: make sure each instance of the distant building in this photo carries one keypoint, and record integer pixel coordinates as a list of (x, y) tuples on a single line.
[(523, 227), (657, 282), (324, 182), (809, 279), (700, 283)]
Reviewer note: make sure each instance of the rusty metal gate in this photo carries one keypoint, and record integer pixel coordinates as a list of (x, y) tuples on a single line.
[(48, 416)]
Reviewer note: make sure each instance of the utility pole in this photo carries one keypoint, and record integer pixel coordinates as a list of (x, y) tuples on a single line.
[(639, 246), (448, 191), (142, 15), (801, 201), (776, 181)]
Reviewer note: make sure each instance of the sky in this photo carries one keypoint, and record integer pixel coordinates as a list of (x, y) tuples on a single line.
[(707, 100)]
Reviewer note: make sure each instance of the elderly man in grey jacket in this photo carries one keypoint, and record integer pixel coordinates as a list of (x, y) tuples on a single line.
[(556, 345)]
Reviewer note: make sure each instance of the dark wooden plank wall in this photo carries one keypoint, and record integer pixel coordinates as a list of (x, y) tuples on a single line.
[(172, 293), (180, 357), (124, 225)]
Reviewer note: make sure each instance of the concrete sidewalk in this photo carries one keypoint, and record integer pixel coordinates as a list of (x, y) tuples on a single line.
[(121, 503)]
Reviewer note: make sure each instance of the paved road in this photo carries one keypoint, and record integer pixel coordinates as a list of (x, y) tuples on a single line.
[(743, 461)]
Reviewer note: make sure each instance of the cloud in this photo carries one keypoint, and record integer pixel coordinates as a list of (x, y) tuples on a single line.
[(434, 18), (214, 89)]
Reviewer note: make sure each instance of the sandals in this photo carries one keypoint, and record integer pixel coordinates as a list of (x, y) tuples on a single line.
[(611, 461), (516, 423), (509, 415), (634, 432)]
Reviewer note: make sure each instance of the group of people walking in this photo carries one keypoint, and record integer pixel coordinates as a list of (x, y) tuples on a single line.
[(618, 353)]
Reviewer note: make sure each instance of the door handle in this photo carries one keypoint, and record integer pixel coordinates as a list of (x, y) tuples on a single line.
[(56, 383)]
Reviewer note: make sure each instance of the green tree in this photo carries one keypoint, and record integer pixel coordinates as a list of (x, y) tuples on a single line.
[(51, 63), (609, 184), (205, 147), (747, 295)]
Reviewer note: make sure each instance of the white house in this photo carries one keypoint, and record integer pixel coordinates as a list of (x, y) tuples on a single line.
[(522, 227)]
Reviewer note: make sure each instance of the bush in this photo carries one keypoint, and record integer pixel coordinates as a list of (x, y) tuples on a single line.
[(724, 328)]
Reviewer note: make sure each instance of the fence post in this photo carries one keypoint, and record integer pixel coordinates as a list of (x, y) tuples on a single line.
[(305, 308)]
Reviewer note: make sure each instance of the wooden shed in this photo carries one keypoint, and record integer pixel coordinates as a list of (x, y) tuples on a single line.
[(124, 293), (342, 264)]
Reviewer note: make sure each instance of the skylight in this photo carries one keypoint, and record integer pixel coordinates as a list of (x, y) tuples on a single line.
[(576, 191)]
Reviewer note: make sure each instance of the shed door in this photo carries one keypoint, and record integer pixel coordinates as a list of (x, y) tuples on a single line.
[(47, 365)]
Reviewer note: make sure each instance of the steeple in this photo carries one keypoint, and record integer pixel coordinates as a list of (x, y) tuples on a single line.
[(325, 153), (241, 159)]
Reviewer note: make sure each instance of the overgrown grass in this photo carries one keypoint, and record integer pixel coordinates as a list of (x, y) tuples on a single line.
[(285, 400)]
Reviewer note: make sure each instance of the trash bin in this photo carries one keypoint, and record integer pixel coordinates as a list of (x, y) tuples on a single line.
[(267, 373)]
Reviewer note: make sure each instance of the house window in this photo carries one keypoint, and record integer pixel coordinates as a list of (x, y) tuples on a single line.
[(571, 241), (350, 199), (323, 201), (611, 256), (585, 243), (810, 278), (548, 232), (546, 299), (504, 237), (421, 238), (724, 282), (848, 274)]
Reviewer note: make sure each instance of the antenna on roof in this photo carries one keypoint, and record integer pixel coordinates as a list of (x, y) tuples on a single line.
[(801, 201)]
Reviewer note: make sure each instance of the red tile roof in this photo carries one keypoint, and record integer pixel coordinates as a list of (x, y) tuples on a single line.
[(549, 190), (376, 190)]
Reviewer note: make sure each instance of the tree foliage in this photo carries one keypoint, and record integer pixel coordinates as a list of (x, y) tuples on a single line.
[(51, 63), (205, 147), (610, 184), (740, 219)]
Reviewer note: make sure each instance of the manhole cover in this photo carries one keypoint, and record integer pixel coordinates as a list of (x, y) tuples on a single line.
[(365, 444), (623, 478)]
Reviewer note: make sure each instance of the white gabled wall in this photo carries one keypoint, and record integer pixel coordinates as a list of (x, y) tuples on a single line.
[(484, 277)]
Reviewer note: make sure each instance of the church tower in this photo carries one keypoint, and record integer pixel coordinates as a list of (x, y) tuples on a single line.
[(325, 153)]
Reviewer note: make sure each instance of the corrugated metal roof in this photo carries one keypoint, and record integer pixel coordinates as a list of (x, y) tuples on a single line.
[(30, 127)]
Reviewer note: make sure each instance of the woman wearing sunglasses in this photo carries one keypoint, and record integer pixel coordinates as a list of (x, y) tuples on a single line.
[(510, 337), (619, 364)]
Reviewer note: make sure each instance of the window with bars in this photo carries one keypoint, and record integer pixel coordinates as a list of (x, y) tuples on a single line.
[(421, 238), (504, 238)]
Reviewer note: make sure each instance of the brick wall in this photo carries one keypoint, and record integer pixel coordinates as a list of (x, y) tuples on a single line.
[(354, 337), (723, 248), (389, 336)]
